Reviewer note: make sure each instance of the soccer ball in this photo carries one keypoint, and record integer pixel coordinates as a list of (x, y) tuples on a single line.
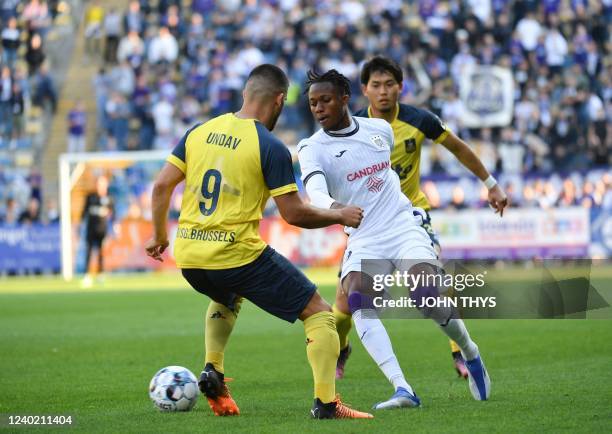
[(174, 388)]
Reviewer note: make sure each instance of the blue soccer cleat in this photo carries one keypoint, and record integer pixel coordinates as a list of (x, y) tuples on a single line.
[(478, 377), (400, 399)]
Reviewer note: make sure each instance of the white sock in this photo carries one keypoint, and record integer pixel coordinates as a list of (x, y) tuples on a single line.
[(376, 341), (455, 329)]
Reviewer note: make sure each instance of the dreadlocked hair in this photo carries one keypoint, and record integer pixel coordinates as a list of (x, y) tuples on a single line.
[(339, 81)]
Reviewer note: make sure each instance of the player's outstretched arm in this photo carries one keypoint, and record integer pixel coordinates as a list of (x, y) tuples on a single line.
[(298, 213), (497, 197), (167, 180)]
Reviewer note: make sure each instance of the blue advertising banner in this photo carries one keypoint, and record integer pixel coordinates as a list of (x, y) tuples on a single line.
[(29, 248)]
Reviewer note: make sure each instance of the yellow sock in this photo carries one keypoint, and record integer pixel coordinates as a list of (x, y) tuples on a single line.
[(219, 324), (344, 322), (322, 349)]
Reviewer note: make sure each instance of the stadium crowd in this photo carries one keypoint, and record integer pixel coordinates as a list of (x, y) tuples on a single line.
[(28, 99), (169, 65), (165, 64), (25, 79)]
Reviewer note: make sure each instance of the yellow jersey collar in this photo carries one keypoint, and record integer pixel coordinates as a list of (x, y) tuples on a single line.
[(397, 109)]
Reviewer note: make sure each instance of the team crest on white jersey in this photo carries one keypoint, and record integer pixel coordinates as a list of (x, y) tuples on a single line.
[(375, 184), (378, 141)]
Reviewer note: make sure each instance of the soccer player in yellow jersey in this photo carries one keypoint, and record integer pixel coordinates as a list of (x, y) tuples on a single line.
[(231, 165), (381, 83)]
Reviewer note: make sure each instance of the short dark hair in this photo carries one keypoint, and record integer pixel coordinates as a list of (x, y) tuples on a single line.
[(381, 64), (339, 81), (267, 79)]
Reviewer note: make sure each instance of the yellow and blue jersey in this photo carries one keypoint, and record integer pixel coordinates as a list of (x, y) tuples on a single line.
[(231, 166), (411, 126)]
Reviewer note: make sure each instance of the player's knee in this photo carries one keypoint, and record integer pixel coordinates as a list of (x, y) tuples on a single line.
[(358, 282), (360, 289), (315, 305), (341, 301)]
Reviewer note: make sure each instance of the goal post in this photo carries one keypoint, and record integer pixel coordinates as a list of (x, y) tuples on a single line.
[(76, 172)]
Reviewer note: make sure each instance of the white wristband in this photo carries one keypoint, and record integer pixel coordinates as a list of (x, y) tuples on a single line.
[(490, 182)]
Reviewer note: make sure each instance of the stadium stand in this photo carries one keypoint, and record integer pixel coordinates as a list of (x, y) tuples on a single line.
[(141, 73), (35, 36), (179, 62)]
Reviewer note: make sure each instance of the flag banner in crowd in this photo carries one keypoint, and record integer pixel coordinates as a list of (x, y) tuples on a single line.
[(487, 93)]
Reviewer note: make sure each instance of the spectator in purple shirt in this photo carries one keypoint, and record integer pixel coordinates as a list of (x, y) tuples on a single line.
[(427, 8), (203, 7), (76, 128), (551, 6), (580, 43)]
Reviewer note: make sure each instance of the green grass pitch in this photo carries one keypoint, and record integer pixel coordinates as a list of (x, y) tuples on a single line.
[(91, 354)]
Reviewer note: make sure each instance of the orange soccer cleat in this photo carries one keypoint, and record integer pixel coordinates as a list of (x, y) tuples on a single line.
[(336, 410), (212, 384)]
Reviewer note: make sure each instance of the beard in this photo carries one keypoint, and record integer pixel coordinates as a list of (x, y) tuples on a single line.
[(273, 121)]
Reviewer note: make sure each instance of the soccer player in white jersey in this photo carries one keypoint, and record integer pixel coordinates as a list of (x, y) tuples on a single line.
[(348, 161)]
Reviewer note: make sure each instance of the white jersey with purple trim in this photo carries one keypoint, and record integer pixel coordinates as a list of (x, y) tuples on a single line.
[(356, 165)]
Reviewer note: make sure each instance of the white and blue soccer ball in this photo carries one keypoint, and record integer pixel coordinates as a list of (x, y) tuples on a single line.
[(174, 388)]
